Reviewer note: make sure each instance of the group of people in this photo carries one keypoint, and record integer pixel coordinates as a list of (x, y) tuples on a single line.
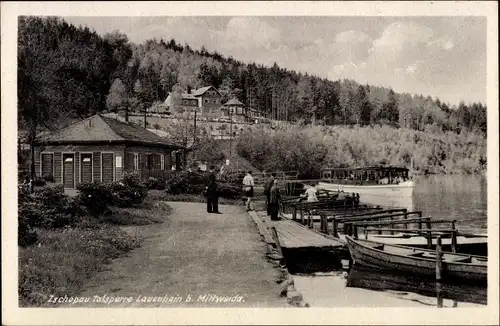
[(212, 194), (271, 191), (273, 197)]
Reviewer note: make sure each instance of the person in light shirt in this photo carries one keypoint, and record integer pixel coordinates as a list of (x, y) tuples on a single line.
[(311, 193), (248, 184)]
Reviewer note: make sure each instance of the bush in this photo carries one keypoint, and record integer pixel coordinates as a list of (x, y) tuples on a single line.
[(39, 182), (96, 197), (186, 183), (129, 191), (48, 207), (26, 233), (49, 178), (230, 191), (155, 183)]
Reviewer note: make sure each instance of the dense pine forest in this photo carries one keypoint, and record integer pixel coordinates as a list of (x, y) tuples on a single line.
[(67, 72)]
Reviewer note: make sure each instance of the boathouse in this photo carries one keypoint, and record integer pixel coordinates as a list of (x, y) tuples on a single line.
[(102, 148)]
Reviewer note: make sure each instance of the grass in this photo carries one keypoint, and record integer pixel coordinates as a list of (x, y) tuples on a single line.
[(63, 259), (149, 212)]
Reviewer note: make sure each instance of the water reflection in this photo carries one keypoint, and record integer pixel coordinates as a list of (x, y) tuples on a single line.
[(368, 278)]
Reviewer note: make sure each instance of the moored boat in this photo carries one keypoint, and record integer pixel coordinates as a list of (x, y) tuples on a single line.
[(390, 186), (417, 261)]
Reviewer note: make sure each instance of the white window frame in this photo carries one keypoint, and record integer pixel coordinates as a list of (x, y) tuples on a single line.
[(53, 164), (162, 162), (80, 165), (114, 167)]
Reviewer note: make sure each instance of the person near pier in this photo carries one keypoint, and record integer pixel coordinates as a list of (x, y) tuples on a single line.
[(248, 184), (275, 201), (267, 190), (211, 189), (311, 193)]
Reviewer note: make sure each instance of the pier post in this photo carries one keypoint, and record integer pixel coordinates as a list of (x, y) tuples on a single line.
[(439, 269), (355, 231), (334, 227), (310, 220), (454, 241), (429, 234), (439, 259), (439, 295), (302, 215), (429, 240), (294, 213), (323, 223)]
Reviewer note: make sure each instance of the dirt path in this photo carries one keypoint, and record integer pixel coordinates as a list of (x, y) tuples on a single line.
[(208, 257)]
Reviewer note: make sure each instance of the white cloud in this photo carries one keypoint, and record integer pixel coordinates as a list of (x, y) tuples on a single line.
[(251, 31), (351, 37)]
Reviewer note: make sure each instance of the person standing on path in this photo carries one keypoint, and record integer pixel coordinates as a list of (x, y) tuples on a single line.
[(212, 196), (248, 184), (267, 190), (274, 201)]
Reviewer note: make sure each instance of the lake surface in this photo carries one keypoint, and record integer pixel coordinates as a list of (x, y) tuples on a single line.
[(460, 197)]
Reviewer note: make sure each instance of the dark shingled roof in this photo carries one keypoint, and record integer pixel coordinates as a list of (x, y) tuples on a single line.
[(234, 102), (99, 128)]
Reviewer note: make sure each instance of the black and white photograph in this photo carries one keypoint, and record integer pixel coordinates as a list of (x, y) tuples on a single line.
[(224, 155)]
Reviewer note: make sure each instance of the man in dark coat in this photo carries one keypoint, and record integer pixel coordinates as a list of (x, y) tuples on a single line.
[(267, 190), (212, 196), (275, 201)]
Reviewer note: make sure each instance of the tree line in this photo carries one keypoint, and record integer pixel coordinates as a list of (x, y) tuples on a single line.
[(67, 72)]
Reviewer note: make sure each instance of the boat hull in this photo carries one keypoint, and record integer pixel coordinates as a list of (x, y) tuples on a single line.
[(375, 258), (400, 195)]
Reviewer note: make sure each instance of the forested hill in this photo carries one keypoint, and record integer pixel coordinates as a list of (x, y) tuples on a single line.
[(68, 72)]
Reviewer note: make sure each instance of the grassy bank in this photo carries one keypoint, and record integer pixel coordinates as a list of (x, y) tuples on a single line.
[(64, 259), (310, 148)]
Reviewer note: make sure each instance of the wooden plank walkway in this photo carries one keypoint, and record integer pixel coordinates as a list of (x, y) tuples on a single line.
[(293, 235)]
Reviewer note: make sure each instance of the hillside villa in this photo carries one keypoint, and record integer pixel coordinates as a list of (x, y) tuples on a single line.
[(207, 103)]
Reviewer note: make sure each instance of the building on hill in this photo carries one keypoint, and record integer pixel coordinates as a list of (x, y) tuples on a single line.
[(102, 148), (235, 109), (206, 100)]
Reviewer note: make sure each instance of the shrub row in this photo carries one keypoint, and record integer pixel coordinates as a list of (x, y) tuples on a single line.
[(194, 183), (49, 207)]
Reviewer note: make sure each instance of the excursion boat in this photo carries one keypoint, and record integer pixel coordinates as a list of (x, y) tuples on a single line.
[(416, 261), (388, 186)]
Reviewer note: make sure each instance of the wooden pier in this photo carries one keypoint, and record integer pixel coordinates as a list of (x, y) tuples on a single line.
[(382, 224), (293, 236), (304, 250)]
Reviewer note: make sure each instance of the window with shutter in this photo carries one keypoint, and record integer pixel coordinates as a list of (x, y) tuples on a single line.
[(136, 161)]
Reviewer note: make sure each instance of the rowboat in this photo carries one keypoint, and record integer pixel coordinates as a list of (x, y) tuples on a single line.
[(416, 261), (475, 244)]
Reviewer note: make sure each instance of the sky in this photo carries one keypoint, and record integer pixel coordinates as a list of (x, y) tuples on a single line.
[(442, 57)]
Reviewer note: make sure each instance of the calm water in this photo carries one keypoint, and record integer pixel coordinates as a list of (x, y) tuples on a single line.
[(459, 197)]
